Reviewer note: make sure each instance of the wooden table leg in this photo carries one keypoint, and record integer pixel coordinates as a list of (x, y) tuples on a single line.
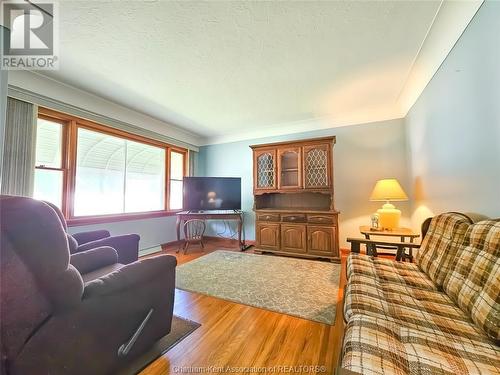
[(372, 248), (368, 247), (178, 231), (240, 227), (400, 253), (410, 251), (355, 247)]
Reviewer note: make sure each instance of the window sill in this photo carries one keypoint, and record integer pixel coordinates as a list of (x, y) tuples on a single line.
[(86, 220)]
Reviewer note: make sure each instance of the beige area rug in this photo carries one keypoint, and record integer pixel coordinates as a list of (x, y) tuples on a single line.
[(181, 328), (303, 288)]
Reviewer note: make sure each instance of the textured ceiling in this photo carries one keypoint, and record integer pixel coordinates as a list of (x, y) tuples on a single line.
[(218, 68)]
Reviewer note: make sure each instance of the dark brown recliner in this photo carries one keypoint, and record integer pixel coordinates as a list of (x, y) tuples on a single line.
[(54, 323), (126, 245)]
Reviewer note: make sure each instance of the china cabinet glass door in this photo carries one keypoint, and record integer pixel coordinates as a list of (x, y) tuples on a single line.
[(317, 167), (266, 170), (289, 165)]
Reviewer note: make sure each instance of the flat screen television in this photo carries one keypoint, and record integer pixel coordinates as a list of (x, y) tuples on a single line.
[(211, 193)]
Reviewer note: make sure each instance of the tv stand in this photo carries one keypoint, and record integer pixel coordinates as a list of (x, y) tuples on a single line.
[(235, 215)]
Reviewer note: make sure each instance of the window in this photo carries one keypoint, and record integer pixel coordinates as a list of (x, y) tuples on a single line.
[(116, 175), (49, 172), (105, 171), (144, 178), (177, 164)]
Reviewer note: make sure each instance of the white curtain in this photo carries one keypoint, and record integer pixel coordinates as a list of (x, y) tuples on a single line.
[(19, 151)]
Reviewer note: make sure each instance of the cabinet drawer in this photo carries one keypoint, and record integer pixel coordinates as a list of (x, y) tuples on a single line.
[(293, 218), (268, 217), (320, 219)]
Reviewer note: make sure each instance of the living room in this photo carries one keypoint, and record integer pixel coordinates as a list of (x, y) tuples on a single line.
[(273, 187)]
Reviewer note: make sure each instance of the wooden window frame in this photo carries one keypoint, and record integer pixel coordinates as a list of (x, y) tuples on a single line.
[(70, 126), (169, 167), (64, 166)]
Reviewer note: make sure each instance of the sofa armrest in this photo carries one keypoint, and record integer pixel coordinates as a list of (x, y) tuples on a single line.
[(127, 246), (132, 275), (84, 237), (356, 242), (90, 260)]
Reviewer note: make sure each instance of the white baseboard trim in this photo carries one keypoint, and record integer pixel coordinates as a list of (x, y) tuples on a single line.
[(150, 250)]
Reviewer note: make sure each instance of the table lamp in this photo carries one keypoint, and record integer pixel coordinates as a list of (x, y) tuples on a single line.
[(388, 190)]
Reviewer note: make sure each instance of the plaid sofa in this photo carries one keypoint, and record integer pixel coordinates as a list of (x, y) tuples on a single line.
[(440, 315)]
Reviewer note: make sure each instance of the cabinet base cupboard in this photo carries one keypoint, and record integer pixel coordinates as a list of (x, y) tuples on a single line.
[(294, 199)]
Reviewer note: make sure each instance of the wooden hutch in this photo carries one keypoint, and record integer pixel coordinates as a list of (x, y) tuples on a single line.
[(293, 198)]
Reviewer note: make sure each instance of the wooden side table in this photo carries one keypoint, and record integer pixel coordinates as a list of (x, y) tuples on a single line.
[(402, 233), (237, 215)]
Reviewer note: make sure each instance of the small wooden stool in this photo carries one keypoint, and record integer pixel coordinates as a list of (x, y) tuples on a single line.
[(193, 233)]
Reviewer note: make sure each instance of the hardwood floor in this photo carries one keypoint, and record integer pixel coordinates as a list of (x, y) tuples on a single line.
[(246, 338)]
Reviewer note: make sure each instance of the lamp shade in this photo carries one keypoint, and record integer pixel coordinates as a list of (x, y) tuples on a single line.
[(388, 190)]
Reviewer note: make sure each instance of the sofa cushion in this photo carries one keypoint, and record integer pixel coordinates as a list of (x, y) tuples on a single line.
[(93, 259), (429, 311), (474, 281), (100, 272), (368, 282), (367, 285), (72, 244), (440, 245), (386, 270), (377, 346)]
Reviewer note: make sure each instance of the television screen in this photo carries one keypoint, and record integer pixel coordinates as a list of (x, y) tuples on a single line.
[(212, 193)]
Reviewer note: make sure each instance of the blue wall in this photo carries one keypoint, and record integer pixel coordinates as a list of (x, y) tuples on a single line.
[(454, 127), (445, 153), (362, 155)]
